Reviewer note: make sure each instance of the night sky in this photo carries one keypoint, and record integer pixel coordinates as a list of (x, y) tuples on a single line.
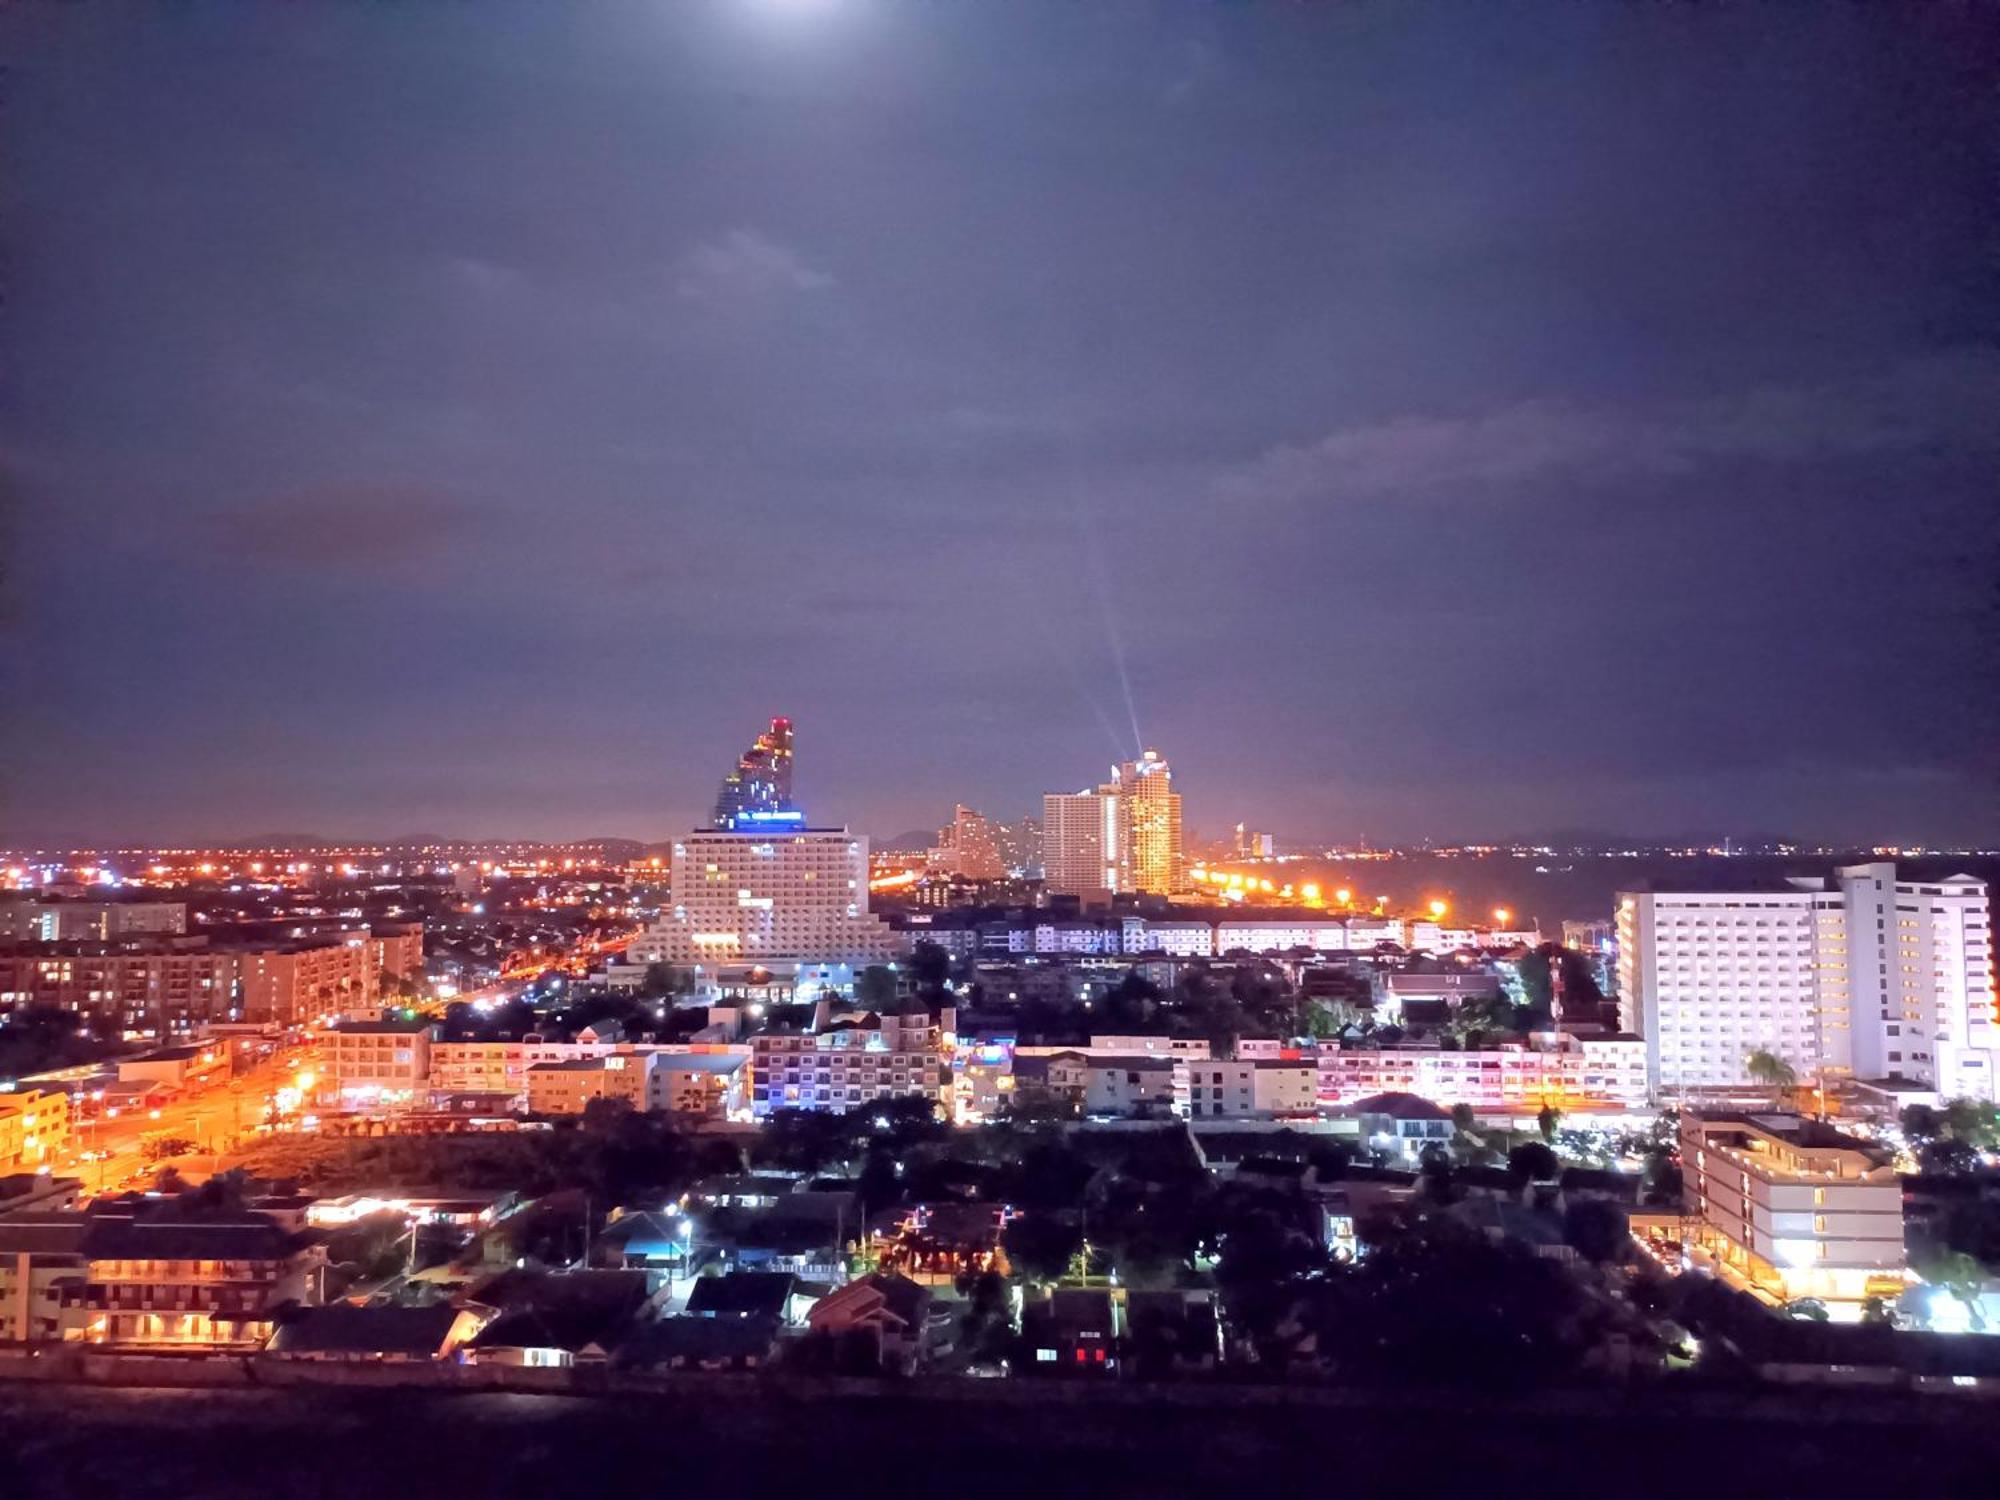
[(1461, 421)]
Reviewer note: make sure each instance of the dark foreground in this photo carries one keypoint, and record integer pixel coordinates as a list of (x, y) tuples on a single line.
[(57, 1442)]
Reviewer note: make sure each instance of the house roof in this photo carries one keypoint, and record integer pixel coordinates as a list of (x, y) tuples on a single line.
[(571, 1328), (1074, 1310), (513, 1291), (246, 1237), (342, 1328), (700, 1062), (742, 1294), (1400, 1106), (42, 1234), (903, 1298), (697, 1339)]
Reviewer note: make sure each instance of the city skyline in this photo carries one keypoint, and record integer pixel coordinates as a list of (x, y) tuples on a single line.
[(1415, 447)]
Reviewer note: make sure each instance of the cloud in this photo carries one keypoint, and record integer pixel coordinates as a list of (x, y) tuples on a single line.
[(346, 528), (1945, 401), (744, 264)]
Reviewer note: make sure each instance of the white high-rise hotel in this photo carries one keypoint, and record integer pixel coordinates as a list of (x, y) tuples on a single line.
[(765, 891), (1866, 977)]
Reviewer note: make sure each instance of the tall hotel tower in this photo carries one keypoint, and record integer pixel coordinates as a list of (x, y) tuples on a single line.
[(761, 890)]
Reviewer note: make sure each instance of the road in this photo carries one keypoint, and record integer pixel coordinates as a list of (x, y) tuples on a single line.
[(109, 1153)]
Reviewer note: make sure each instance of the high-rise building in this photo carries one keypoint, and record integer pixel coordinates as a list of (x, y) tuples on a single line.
[(1073, 844), (1864, 976), (1124, 837), (1147, 826), (762, 891), (759, 790), (969, 848), (1021, 847)]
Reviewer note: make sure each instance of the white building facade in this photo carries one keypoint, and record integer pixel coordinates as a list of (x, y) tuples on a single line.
[(1865, 976), (782, 898)]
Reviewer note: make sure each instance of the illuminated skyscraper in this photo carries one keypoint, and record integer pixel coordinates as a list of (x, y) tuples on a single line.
[(758, 793), (1124, 837), (761, 894), (1146, 826)]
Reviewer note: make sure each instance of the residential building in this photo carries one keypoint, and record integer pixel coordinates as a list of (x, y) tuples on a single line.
[(1863, 976), (712, 1085), (969, 847), (374, 1065), (982, 1078), (1145, 824), (299, 983), (1074, 845), (34, 1129), (497, 1068), (1265, 1087), (571, 1086), (1073, 1332), (90, 921), (1576, 1074), (1401, 1125), (160, 1283), (884, 1308), (345, 1334), (848, 1065), (41, 1254), (556, 1319), (1788, 1208), (1021, 847), (159, 987), (1134, 1085)]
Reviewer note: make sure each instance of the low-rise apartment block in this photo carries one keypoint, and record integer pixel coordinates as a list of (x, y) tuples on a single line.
[(127, 1281), (34, 1129), (369, 1065), (849, 1064), (1575, 1074), (1790, 1208)]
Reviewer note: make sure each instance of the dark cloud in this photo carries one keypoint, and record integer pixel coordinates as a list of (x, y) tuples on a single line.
[(1450, 420), (362, 528)]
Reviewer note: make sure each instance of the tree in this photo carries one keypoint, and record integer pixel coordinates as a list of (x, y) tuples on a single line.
[(930, 964), (1041, 1245), (1596, 1230), (1434, 1175), (1773, 1072), (1961, 1276), (1532, 1161), (1975, 1122), (1435, 1302), (664, 981), (1548, 1120), (875, 988), (1947, 1157), (160, 1148), (1921, 1124), (603, 1115)]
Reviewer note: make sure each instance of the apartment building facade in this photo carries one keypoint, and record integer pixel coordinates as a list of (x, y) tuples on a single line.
[(374, 1065), (1863, 976), (847, 1066), (1788, 1208)]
